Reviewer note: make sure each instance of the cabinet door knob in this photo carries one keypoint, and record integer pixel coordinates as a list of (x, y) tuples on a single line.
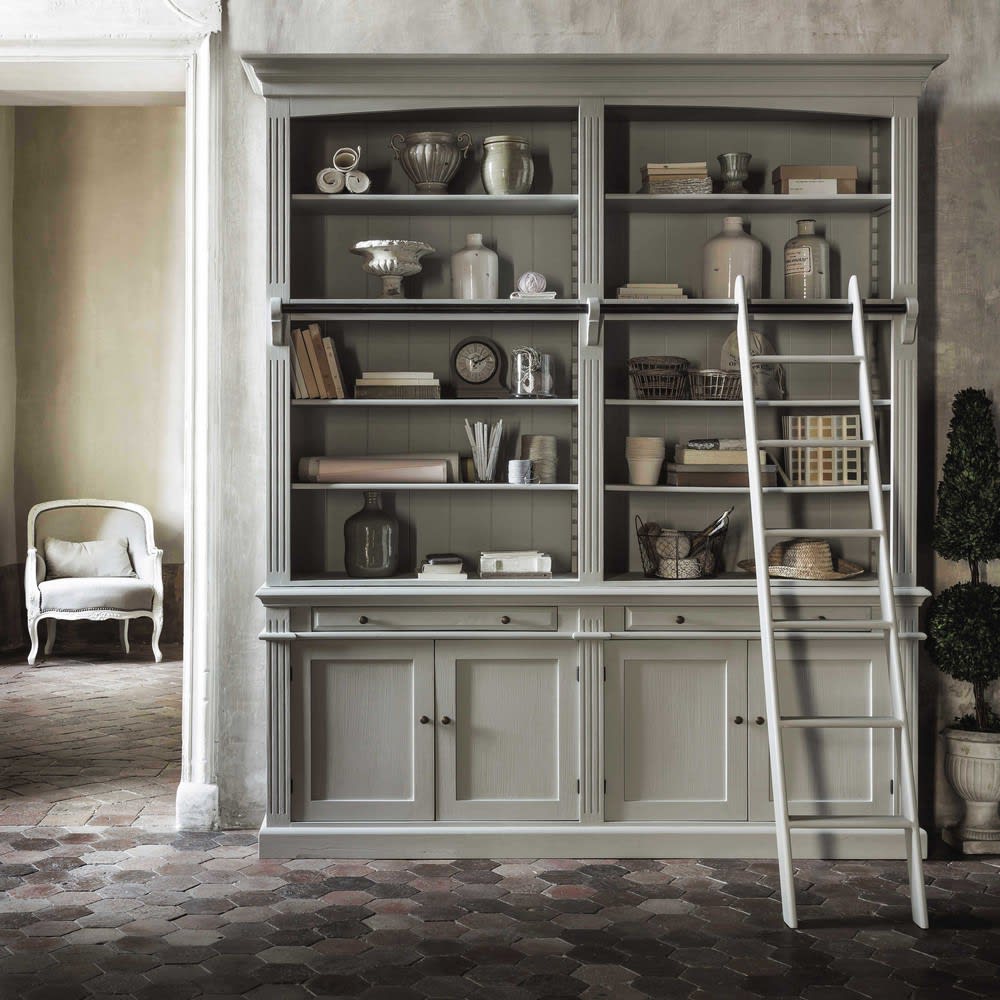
[(738, 720), (680, 619), (445, 720), (424, 719), (821, 618), (759, 720), (505, 619), (363, 620)]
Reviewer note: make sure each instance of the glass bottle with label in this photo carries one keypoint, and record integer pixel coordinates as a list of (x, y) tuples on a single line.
[(807, 263)]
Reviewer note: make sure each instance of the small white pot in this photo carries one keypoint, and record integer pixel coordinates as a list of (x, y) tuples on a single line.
[(972, 764)]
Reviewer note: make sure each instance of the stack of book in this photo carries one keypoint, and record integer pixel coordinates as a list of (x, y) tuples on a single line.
[(716, 462), (316, 372), (442, 569), (676, 178), (397, 385), (651, 290), (523, 565)]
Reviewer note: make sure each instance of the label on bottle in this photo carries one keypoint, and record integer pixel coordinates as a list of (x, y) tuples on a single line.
[(799, 260)]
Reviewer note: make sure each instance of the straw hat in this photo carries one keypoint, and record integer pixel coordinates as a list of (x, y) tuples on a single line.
[(805, 559)]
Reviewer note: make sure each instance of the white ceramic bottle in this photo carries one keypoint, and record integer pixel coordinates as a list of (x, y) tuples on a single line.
[(734, 251), (474, 270)]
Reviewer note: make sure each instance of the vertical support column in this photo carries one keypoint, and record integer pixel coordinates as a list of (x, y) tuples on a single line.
[(278, 362), (591, 716), (909, 653), (279, 681), (590, 137), (903, 522)]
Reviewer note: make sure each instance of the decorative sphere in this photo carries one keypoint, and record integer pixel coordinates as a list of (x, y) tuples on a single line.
[(531, 283)]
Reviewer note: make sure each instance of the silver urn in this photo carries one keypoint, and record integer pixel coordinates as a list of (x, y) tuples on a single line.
[(430, 159)]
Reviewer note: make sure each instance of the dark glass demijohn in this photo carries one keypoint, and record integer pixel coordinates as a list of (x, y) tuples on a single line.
[(371, 540)]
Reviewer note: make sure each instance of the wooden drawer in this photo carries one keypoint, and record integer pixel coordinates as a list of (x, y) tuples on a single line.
[(375, 619), (669, 618)]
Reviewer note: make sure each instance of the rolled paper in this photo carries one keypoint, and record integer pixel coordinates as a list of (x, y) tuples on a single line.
[(358, 182), (330, 181), (346, 158)]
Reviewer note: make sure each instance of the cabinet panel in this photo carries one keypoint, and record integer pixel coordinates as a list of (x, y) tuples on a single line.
[(359, 749), (674, 748), (510, 749), (668, 617), (373, 618), (827, 771)]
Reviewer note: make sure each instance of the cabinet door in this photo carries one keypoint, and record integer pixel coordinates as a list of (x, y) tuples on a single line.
[(359, 751), (675, 750), (827, 771), (509, 750)]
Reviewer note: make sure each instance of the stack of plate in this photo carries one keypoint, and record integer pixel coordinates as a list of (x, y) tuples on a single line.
[(645, 459), (541, 449)]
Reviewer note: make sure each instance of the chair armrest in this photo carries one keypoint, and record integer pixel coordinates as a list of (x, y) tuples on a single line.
[(34, 574), (149, 567)]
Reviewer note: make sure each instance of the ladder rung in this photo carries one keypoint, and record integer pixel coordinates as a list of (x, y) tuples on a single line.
[(823, 532), (816, 443), (805, 359), (815, 625), (840, 722), (849, 822)]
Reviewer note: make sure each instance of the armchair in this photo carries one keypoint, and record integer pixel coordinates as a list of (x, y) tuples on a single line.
[(95, 598)]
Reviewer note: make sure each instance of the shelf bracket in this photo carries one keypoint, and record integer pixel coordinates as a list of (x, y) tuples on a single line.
[(910, 321), (277, 322), (593, 321)]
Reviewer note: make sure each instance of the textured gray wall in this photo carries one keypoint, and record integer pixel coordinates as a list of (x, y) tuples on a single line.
[(960, 268)]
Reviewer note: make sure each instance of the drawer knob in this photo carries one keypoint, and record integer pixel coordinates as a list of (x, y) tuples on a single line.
[(424, 719), (680, 619), (738, 720), (363, 620), (759, 720), (505, 619), (445, 720), (821, 618)]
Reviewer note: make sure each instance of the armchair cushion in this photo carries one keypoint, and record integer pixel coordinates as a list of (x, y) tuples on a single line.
[(96, 593), (102, 557)]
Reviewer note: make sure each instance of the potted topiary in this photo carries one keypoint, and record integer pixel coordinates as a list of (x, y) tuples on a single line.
[(964, 621)]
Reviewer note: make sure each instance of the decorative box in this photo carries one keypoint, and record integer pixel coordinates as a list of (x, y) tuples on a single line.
[(804, 178)]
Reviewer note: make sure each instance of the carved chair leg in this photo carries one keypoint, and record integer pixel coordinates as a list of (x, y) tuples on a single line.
[(50, 638), (157, 629), (123, 634), (33, 635)]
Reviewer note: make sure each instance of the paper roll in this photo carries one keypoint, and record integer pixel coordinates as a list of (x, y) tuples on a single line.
[(358, 182), (330, 181)]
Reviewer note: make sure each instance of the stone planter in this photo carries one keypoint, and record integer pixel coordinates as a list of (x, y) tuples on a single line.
[(972, 764)]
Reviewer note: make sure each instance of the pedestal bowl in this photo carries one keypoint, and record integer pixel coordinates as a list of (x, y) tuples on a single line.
[(391, 260)]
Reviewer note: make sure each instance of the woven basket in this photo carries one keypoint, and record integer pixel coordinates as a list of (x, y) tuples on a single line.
[(714, 383), (659, 377)]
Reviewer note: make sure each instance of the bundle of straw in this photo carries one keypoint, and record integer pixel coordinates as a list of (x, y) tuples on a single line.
[(485, 443)]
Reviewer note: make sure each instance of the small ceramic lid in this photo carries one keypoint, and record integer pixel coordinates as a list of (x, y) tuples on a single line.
[(505, 138)]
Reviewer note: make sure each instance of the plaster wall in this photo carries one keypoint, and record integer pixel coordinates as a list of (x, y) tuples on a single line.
[(8, 371), (99, 293), (960, 269)]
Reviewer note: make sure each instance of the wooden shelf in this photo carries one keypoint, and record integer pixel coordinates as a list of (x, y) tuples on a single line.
[(409, 581), (777, 404), (434, 204), (626, 488), (452, 487), (861, 583), (725, 309), (748, 204), (551, 403), (432, 310)]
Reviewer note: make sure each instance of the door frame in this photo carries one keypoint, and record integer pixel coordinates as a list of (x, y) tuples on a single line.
[(92, 44)]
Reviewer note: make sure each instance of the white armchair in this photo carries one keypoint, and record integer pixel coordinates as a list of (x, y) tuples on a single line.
[(96, 598)]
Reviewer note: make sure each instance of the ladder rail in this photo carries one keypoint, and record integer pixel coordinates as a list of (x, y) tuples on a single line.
[(774, 731), (887, 600)]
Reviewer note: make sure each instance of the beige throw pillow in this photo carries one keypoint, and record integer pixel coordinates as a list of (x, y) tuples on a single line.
[(101, 557)]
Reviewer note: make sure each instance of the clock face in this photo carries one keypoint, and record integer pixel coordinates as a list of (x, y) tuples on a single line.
[(476, 362)]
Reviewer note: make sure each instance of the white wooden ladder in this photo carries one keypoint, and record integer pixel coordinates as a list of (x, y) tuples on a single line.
[(885, 628)]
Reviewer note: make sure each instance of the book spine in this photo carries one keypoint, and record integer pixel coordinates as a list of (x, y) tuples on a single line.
[(396, 391), (305, 366), (318, 355), (330, 348)]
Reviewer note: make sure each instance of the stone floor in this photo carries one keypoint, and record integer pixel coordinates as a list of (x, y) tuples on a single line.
[(133, 911)]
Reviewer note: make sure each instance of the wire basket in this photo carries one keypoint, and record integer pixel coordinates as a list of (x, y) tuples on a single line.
[(668, 554), (659, 377), (714, 383)]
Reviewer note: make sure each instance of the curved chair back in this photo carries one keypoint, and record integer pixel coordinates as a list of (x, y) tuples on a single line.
[(85, 520)]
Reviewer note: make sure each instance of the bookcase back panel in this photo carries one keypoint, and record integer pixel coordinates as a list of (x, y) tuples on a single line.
[(435, 521), (635, 137), (323, 266), (550, 132)]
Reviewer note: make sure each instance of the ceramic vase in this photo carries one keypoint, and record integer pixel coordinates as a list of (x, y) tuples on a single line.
[(474, 270), (507, 165), (371, 540), (807, 263), (734, 251), (430, 159)]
